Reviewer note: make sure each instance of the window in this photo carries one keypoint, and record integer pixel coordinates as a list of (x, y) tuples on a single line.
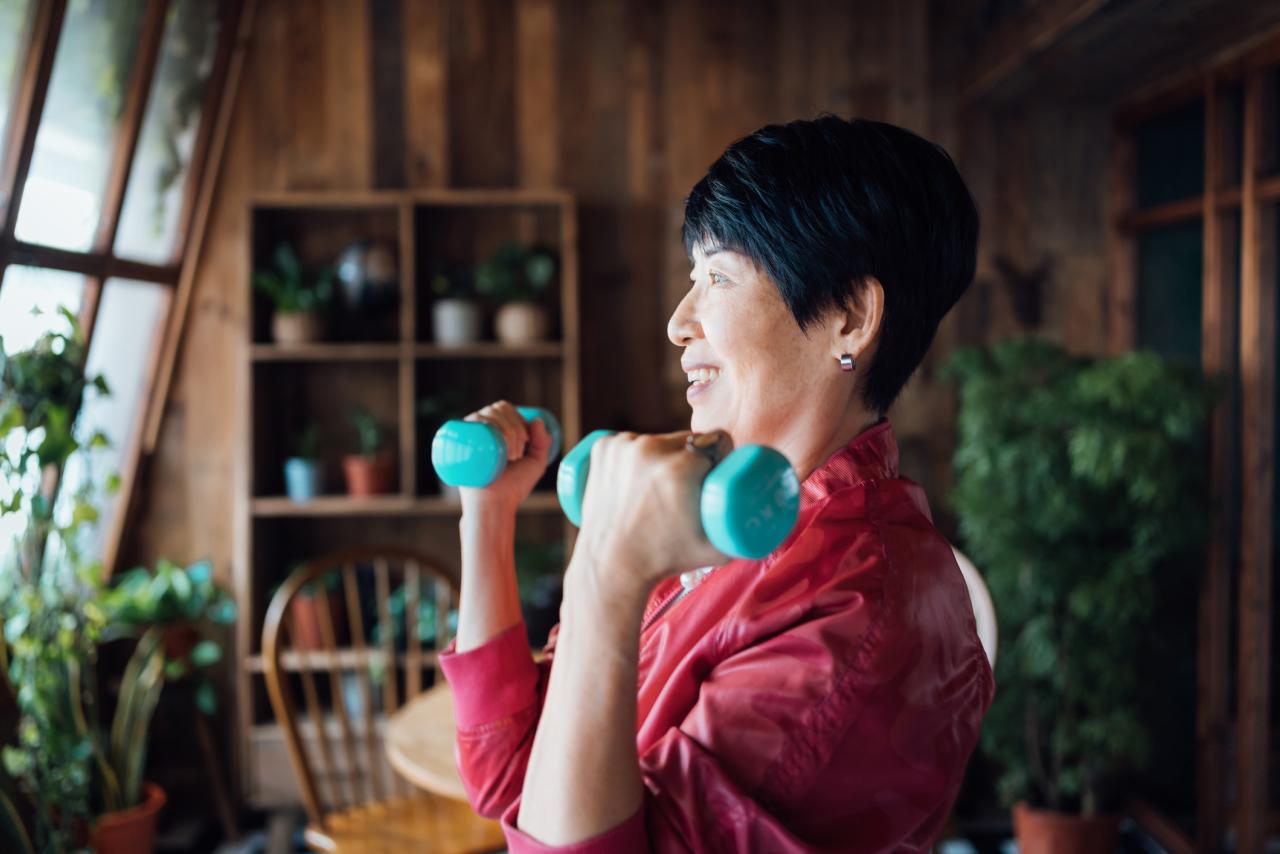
[(107, 110)]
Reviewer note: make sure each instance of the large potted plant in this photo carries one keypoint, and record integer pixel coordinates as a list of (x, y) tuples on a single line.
[(517, 277), (1078, 483), (81, 781), (300, 298)]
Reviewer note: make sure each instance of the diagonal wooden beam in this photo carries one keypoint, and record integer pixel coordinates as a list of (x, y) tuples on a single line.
[(1032, 31), (28, 105), (231, 12), (235, 35)]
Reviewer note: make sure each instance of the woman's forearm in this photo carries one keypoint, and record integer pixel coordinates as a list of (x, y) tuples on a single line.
[(584, 773), (490, 601)]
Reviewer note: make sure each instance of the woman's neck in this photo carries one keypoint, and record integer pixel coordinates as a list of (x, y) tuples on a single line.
[(808, 449)]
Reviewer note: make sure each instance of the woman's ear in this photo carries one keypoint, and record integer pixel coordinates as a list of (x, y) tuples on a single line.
[(859, 322)]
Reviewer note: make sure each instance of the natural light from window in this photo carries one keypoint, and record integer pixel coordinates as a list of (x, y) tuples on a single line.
[(62, 199)]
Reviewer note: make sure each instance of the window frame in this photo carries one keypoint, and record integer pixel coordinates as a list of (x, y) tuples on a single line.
[(99, 263), (1238, 333)]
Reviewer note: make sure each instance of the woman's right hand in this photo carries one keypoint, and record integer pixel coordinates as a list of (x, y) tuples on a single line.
[(528, 444)]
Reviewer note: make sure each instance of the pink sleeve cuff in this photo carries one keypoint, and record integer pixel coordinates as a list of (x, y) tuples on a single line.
[(493, 681), (626, 838)]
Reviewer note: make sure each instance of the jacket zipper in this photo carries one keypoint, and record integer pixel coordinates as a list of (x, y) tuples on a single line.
[(663, 608)]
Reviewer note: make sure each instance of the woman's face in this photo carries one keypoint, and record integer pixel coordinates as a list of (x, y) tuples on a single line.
[(752, 371)]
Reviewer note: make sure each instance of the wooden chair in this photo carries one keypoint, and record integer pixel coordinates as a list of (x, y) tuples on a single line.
[(362, 806)]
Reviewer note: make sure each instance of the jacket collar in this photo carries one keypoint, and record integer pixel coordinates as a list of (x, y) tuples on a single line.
[(871, 455)]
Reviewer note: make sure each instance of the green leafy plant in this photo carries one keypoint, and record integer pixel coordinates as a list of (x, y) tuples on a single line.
[(56, 611), (451, 281), (1077, 484), (515, 273), (369, 433), (290, 287)]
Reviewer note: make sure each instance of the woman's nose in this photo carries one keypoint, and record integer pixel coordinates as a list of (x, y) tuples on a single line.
[(683, 326)]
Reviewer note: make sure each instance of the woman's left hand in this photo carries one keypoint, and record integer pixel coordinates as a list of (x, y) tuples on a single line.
[(641, 520)]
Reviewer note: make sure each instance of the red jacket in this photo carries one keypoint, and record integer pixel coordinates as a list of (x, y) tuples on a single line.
[(825, 698)]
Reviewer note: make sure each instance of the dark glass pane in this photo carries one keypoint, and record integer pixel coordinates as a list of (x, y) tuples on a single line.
[(153, 201), (62, 200), (15, 25), (1170, 156), (1169, 290), (1269, 156)]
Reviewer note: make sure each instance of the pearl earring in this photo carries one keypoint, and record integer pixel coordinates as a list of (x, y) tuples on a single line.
[(847, 363)]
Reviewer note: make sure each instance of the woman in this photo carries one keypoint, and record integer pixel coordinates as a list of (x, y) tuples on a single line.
[(826, 697)]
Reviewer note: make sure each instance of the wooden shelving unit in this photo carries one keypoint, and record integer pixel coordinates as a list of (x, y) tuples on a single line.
[(287, 387)]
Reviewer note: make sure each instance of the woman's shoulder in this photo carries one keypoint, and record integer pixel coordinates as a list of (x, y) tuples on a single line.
[(870, 549)]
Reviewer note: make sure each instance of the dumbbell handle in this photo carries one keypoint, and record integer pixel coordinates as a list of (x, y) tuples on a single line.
[(473, 453), (748, 505)]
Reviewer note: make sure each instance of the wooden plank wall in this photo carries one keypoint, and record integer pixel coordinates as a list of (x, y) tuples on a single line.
[(623, 102)]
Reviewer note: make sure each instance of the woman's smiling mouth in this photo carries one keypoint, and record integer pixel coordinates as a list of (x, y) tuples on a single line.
[(699, 379)]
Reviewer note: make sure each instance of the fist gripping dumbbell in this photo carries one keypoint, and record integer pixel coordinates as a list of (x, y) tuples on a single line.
[(748, 505), (473, 453)]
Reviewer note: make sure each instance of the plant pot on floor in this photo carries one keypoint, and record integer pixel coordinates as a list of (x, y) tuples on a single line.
[(521, 323), (1049, 832), (294, 328), (131, 831), (302, 478), (455, 322), (369, 475)]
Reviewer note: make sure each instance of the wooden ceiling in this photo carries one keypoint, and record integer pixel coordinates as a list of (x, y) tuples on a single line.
[(1102, 50)]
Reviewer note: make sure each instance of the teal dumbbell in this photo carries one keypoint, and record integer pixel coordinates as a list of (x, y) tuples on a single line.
[(748, 505), (472, 453)]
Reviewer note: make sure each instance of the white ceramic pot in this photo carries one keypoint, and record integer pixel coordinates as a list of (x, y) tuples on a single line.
[(521, 323), (455, 322)]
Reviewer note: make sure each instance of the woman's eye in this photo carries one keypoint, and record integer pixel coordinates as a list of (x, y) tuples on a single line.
[(714, 276)]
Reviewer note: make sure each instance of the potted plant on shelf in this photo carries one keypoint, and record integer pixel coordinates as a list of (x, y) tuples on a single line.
[(300, 298), (302, 471), (455, 312), (1077, 489), (80, 783), (516, 278), (306, 631), (371, 469)]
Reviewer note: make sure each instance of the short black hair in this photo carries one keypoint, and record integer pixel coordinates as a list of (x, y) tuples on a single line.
[(819, 205)]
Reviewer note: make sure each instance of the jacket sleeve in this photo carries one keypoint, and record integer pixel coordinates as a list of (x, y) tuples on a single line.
[(498, 691), (813, 740)]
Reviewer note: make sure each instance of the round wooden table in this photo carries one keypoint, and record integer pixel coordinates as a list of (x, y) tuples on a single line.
[(419, 743)]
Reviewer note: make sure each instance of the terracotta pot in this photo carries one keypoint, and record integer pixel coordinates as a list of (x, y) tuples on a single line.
[(521, 323), (131, 831), (369, 475), (305, 633), (292, 328), (1051, 832), (179, 640)]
